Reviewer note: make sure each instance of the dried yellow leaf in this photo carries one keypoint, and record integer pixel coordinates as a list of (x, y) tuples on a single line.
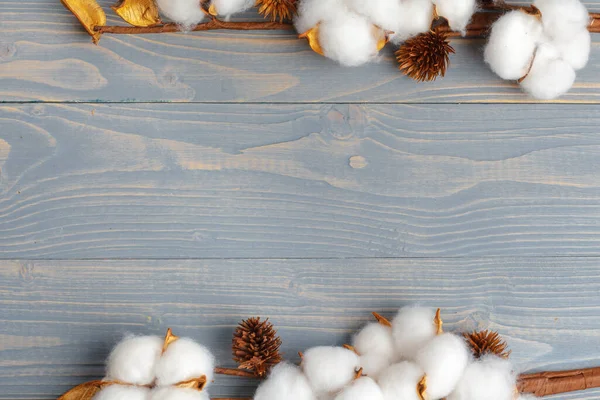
[(212, 10), (196, 384), (138, 12), (85, 391), (89, 13)]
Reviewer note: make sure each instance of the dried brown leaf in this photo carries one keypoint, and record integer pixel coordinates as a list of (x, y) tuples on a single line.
[(89, 13), (85, 391), (138, 12)]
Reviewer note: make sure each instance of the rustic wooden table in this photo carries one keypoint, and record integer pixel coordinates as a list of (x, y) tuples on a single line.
[(193, 180)]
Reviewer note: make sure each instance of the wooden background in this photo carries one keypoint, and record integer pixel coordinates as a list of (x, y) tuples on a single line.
[(193, 180)]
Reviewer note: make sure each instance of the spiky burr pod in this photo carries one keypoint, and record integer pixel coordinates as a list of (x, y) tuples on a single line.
[(425, 56), (256, 346)]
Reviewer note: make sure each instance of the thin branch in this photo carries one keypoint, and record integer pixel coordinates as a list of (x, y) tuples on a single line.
[(235, 372), (550, 383), (206, 26)]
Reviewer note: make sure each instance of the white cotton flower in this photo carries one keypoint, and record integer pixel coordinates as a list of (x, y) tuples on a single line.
[(174, 393), (312, 12), (375, 345), (122, 392), (285, 382), (412, 328), (457, 12), (329, 369), (230, 7), (444, 360), (399, 381), (384, 13), (349, 39), (562, 19), (184, 12), (363, 388), (576, 52), (512, 43), (550, 76), (134, 359), (183, 360), (491, 378), (416, 17)]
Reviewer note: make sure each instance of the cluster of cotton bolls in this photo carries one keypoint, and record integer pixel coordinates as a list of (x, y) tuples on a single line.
[(352, 32), (150, 368), (189, 12), (542, 50), (410, 358)]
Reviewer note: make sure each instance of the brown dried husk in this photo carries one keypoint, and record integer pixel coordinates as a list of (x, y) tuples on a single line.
[(85, 391), (256, 346), (277, 9), (487, 342), (425, 56), (89, 13), (138, 12)]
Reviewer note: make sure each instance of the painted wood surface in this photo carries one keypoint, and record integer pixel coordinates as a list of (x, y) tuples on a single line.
[(46, 56), (300, 181), (65, 315)]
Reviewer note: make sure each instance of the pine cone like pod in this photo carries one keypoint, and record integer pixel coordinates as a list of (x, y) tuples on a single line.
[(277, 9), (256, 346), (487, 342), (425, 56)]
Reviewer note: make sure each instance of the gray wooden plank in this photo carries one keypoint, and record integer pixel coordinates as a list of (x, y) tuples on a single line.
[(262, 181), (46, 56), (60, 318)]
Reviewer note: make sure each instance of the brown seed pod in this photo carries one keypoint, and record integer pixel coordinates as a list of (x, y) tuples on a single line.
[(277, 9), (256, 346), (425, 56), (487, 342)]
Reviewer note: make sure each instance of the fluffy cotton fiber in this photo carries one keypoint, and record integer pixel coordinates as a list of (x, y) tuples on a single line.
[(173, 393), (415, 18), (562, 19), (412, 328), (311, 12), (444, 360), (134, 359), (550, 76), (383, 13), (363, 388), (512, 43), (184, 12), (285, 382), (576, 52), (184, 359), (122, 392), (329, 369), (399, 381), (457, 12), (229, 7), (491, 378), (375, 345), (349, 39)]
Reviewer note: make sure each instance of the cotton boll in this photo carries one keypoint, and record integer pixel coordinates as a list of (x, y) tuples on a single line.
[(349, 39), (311, 12), (285, 382), (183, 360), (576, 51), (416, 17), (491, 378), (363, 388), (562, 19), (457, 12), (412, 328), (383, 13), (184, 12), (133, 360), (329, 369), (229, 7), (375, 344), (400, 381), (174, 393), (549, 77), (444, 360), (511, 44), (122, 392)]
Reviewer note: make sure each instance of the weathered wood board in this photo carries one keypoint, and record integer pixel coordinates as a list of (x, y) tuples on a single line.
[(214, 181), (60, 318), (46, 56)]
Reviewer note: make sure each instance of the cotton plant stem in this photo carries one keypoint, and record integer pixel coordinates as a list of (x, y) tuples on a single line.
[(235, 372), (479, 26)]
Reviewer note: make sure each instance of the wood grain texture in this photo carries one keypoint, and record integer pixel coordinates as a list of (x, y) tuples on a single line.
[(60, 318), (179, 181), (46, 56)]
